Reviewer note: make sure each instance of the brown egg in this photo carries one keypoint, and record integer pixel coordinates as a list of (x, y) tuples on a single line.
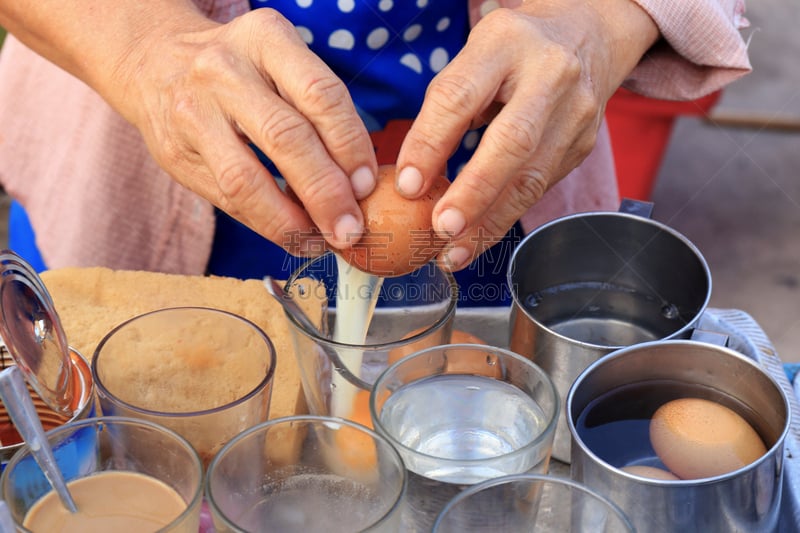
[(360, 410), (353, 453), (398, 353), (458, 364), (459, 336), (698, 438), (650, 472), (454, 363), (398, 233)]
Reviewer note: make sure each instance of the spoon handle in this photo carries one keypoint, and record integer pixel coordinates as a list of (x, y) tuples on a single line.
[(6, 520), (276, 291), (19, 405)]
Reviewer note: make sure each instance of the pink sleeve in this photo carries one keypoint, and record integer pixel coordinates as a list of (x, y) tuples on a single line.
[(701, 49)]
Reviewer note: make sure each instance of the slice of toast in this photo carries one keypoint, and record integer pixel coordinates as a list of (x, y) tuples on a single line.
[(92, 301)]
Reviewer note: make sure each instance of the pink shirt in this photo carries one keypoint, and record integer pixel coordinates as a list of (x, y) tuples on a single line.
[(96, 197)]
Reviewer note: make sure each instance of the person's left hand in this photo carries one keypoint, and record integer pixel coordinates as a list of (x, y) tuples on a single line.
[(539, 76)]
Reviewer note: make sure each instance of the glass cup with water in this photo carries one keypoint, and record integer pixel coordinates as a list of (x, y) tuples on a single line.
[(461, 414)]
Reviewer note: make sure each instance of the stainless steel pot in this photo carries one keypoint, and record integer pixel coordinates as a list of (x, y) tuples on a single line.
[(745, 500), (587, 284)]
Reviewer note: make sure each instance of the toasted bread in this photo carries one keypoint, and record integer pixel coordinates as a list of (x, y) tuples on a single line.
[(92, 301)]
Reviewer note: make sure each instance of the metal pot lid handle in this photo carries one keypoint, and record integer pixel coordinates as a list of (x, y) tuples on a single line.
[(32, 332)]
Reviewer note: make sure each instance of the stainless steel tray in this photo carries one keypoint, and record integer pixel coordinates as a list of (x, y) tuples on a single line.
[(745, 336)]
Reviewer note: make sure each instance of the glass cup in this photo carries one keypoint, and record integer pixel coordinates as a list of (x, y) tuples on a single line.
[(204, 373), (529, 503), (343, 477), (461, 414), (157, 477), (340, 361)]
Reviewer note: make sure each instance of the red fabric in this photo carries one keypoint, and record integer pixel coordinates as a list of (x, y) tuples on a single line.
[(640, 129)]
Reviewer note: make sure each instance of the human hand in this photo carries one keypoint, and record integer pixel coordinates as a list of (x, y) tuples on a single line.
[(539, 76), (199, 92)]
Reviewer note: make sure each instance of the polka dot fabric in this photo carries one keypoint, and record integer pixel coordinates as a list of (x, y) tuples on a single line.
[(386, 51)]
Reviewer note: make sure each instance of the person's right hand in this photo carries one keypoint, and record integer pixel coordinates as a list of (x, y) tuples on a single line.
[(201, 94), (200, 91)]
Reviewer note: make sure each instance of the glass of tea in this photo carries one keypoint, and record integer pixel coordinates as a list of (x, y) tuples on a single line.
[(125, 475)]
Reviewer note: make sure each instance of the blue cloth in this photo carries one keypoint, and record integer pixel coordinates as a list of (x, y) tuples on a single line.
[(21, 237), (385, 51), (792, 370)]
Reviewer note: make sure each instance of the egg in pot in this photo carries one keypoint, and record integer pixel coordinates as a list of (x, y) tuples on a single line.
[(398, 233), (650, 472), (697, 438)]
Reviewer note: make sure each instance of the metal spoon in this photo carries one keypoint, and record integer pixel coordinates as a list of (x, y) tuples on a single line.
[(33, 334), (296, 312), (19, 405)]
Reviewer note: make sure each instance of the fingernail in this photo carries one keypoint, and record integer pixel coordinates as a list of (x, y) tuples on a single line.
[(346, 230), (409, 182), (456, 257), (451, 222), (363, 182)]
